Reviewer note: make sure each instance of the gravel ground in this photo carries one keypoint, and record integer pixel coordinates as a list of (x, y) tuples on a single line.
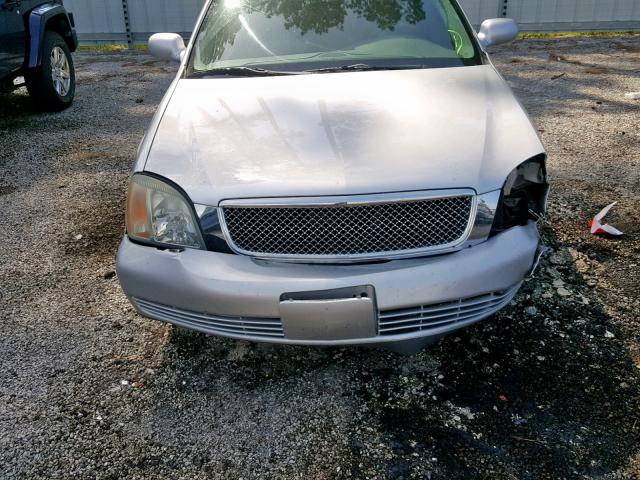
[(547, 389)]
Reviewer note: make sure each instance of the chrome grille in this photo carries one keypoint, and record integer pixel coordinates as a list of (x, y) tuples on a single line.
[(214, 324), (425, 317), (343, 230)]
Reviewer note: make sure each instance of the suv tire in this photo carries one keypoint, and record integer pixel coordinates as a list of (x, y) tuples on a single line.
[(53, 84)]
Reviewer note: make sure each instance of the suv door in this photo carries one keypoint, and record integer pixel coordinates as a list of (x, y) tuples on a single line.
[(12, 37)]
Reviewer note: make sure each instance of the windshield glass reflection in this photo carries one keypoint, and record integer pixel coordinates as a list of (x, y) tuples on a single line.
[(299, 35)]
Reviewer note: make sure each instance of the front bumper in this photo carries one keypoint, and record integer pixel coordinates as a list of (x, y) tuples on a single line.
[(417, 300)]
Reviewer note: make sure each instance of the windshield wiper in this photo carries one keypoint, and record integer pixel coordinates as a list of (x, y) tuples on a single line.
[(244, 71), (239, 72), (363, 67)]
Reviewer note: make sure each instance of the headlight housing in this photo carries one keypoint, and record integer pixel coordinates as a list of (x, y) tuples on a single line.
[(159, 214), (524, 195)]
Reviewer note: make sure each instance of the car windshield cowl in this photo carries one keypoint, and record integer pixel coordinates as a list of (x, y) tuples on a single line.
[(252, 71), (240, 71), (363, 67), (270, 37)]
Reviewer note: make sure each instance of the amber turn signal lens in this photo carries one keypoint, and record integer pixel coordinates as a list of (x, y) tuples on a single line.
[(138, 223)]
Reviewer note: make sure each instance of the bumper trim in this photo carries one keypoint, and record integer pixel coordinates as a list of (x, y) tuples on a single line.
[(270, 329), (221, 325)]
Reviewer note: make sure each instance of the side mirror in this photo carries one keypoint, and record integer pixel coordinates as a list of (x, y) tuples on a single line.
[(167, 46), (497, 30)]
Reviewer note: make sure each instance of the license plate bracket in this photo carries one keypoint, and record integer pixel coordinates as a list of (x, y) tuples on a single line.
[(336, 314)]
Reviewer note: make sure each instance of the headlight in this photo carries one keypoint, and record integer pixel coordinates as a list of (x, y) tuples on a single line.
[(524, 195), (158, 213)]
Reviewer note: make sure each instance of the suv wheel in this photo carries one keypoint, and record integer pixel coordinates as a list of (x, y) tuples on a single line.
[(53, 84)]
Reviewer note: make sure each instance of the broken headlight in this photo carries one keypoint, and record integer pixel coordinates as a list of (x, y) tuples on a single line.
[(159, 214), (523, 197)]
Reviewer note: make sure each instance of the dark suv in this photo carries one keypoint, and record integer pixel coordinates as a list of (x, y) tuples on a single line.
[(36, 41)]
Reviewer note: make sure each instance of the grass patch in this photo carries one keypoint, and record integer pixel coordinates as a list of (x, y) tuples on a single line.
[(576, 34), (112, 48)]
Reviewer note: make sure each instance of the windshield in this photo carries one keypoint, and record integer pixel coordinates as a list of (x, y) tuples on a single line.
[(305, 35)]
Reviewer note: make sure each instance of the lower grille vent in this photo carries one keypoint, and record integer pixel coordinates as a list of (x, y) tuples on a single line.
[(215, 324), (424, 317)]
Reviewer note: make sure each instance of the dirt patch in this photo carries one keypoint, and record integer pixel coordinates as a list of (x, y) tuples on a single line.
[(627, 47), (96, 227), (7, 189), (596, 70), (83, 156)]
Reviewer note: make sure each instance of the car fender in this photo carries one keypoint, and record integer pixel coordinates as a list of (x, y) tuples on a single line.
[(38, 19)]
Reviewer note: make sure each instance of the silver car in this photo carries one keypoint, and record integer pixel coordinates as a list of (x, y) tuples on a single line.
[(346, 173)]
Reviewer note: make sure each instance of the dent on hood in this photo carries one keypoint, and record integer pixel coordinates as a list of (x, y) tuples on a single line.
[(347, 133)]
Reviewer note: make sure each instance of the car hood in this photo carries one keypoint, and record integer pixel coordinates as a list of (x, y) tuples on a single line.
[(341, 133)]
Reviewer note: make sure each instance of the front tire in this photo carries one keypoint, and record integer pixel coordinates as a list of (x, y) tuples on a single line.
[(53, 84)]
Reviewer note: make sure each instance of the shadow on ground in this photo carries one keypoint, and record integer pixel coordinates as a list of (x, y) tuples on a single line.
[(544, 389)]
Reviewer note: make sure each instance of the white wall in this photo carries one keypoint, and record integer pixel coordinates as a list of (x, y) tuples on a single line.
[(164, 15), (98, 20), (102, 21), (478, 10), (570, 14)]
